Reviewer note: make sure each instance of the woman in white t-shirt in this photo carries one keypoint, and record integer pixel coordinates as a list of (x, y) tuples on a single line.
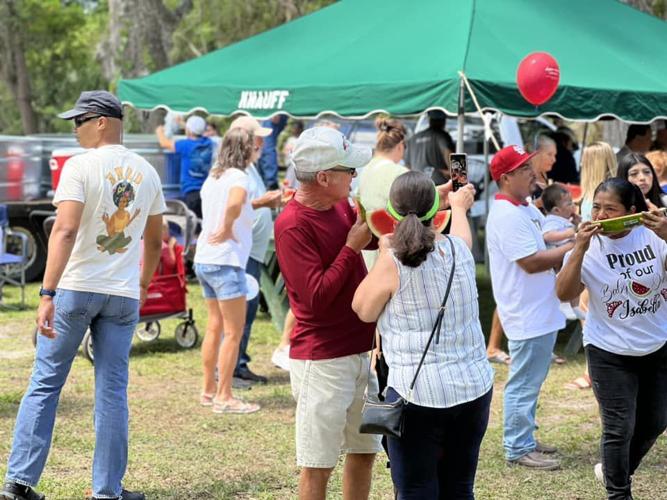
[(223, 248), (625, 334)]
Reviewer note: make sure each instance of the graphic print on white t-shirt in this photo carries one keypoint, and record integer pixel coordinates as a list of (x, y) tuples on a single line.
[(119, 190), (124, 182), (631, 274), (627, 285)]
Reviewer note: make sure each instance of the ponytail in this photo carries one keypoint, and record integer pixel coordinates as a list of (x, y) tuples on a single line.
[(413, 240)]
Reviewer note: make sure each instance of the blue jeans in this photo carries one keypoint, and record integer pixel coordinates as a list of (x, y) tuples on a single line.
[(112, 321), (530, 364), (254, 268)]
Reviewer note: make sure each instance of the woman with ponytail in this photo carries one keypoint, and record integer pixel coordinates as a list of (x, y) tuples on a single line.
[(448, 409), (624, 335)]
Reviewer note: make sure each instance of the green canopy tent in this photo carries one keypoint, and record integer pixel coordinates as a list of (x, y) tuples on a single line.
[(358, 57)]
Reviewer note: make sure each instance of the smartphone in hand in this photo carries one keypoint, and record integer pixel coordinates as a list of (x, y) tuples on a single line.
[(458, 166)]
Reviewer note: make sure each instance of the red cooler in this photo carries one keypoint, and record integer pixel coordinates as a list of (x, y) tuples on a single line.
[(57, 162)]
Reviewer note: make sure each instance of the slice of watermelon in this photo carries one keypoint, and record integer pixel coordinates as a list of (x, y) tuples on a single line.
[(639, 290), (441, 220), (381, 222)]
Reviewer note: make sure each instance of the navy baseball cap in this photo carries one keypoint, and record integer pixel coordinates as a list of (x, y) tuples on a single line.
[(99, 102)]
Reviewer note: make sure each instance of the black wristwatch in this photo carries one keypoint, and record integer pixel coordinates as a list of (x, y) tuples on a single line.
[(43, 291)]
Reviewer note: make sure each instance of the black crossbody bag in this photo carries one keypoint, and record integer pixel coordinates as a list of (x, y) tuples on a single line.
[(379, 417)]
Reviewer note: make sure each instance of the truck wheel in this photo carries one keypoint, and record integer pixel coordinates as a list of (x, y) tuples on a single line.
[(34, 269)]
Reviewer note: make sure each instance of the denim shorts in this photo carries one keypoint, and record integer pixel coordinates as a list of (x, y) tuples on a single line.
[(221, 282)]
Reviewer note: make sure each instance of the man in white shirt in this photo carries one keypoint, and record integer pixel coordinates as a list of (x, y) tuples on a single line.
[(107, 199), (262, 230), (524, 284)]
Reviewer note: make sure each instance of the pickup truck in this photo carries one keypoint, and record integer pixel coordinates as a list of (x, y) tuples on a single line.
[(27, 169)]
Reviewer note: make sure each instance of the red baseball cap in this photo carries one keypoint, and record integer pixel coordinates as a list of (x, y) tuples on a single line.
[(508, 159)]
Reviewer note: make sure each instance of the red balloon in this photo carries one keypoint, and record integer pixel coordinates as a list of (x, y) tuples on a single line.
[(537, 77)]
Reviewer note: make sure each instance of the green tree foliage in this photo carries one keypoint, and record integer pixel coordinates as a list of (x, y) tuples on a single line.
[(213, 25), (59, 41)]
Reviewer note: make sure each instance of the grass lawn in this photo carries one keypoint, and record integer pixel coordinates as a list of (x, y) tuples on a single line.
[(180, 450)]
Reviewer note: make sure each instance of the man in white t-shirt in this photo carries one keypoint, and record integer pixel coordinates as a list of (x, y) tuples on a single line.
[(262, 230), (107, 199), (524, 283)]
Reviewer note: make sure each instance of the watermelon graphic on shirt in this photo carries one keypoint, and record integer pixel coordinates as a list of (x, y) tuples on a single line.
[(612, 306), (638, 290)]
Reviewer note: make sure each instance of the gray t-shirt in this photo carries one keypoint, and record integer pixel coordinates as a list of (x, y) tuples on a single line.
[(262, 228)]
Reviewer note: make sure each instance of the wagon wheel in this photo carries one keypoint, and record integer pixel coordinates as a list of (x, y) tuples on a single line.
[(186, 335), (88, 346), (149, 332)]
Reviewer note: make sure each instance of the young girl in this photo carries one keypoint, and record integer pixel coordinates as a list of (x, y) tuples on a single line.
[(636, 169), (624, 335)]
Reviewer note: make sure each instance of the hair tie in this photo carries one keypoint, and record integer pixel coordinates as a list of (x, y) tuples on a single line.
[(427, 216)]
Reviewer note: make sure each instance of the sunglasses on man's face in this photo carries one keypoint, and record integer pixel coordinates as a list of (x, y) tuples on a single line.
[(80, 120), (351, 171)]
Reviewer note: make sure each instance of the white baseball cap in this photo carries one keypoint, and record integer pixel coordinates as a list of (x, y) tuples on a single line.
[(322, 148), (196, 125), (249, 124)]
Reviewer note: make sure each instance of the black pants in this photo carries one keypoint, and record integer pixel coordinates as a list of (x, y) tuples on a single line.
[(437, 456), (193, 201), (632, 394)]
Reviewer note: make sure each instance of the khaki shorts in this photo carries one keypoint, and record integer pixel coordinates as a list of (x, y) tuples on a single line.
[(330, 394)]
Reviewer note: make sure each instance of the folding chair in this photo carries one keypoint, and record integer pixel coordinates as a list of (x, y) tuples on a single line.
[(12, 265)]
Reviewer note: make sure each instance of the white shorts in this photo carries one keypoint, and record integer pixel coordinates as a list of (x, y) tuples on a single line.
[(330, 395)]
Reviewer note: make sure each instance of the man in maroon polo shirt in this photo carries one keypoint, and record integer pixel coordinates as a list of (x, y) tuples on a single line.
[(319, 239)]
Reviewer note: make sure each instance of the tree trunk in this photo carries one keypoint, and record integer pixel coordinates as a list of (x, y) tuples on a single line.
[(14, 69)]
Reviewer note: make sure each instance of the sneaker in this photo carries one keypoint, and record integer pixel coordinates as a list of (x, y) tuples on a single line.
[(599, 474), (280, 357), (535, 460), (126, 495), (15, 491), (240, 384), (247, 374), (545, 449)]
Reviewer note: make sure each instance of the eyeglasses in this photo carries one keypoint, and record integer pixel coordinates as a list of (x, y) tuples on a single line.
[(351, 171), (80, 120)]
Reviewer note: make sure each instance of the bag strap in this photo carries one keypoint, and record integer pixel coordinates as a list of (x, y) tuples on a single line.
[(436, 327), (438, 320)]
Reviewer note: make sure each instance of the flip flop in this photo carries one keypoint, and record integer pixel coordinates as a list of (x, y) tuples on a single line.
[(235, 406), (583, 382), (500, 357)]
